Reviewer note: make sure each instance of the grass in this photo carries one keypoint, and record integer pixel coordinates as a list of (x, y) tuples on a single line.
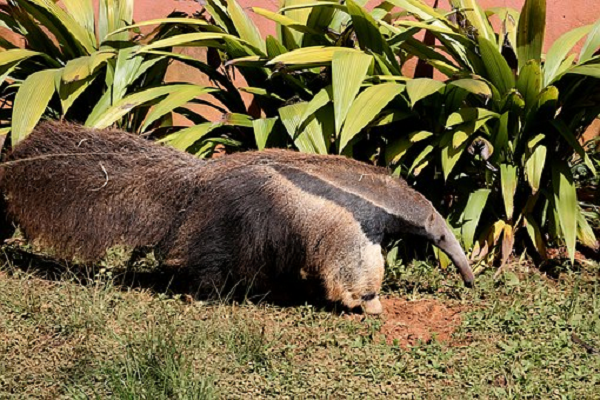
[(72, 338)]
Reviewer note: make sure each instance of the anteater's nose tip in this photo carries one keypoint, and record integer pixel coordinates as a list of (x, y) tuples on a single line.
[(373, 307), (470, 283)]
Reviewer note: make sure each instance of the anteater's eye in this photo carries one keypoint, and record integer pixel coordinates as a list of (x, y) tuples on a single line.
[(368, 297)]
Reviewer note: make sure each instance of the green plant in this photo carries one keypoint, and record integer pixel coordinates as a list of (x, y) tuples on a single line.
[(82, 68), (331, 81), (524, 132), (485, 135), (296, 76)]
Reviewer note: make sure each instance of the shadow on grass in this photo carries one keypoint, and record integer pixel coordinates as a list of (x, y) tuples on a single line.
[(558, 264), (283, 292)]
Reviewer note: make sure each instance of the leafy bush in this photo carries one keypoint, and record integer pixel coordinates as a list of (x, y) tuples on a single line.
[(82, 68), (499, 137), (493, 146), (525, 132)]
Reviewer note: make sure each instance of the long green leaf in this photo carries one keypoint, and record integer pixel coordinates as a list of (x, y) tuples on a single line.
[(422, 11), (284, 20), (585, 233), (398, 148), (237, 119), (450, 154), (294, 39), (477, 18), (125, 105), (312, 139), (420, 88), (592, 70), (324, 3), (530, 32), (168, 21), (365, 108), (567, 208), (591, 44), (174, 100), (559, 50), (31, 101), (501, 142), (472, 215), (570, 138), (529, 83), (262, 130), (69, 92), (349, 71), (535, 234), (368, 35), (244, 25), (113, 15), (188, 39), (83, 67), (565, 65), (457, 45), (508, 182), (186, 137), (547, 103), (82, 12), (16, 55), (421, 160), (389, 116), (218, 11), (319, 101), (473, 86), (534, 167), (66, 29), (509, 18), (320, 19), (470, 114), (274, 47), (316, 55), (498, 71)]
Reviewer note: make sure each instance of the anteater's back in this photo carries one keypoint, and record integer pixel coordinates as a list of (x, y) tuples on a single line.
[(72, 188)]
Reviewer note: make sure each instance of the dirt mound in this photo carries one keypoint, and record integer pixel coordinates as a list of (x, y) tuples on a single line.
[(407, 322)]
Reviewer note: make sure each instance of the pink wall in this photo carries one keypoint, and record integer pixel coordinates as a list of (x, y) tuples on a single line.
[(561, 16)]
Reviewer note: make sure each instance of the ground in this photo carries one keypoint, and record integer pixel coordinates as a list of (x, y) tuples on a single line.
[(527, 334)]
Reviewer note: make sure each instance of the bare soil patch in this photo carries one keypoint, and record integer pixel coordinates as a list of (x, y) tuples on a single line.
[(408, 322)]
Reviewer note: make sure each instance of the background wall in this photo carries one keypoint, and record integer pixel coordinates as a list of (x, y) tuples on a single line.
[(561, 16)]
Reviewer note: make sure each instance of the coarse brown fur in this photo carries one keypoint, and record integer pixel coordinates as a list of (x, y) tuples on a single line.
[(250, 217)]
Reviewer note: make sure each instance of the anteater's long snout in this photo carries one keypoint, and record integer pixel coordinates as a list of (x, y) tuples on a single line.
[(452, 248), (444, 239)]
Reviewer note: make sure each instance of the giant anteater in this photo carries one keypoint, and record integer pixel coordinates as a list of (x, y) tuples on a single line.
[(250, 216)]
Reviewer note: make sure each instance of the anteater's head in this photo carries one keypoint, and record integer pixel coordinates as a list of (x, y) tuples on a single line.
[(440, 234)]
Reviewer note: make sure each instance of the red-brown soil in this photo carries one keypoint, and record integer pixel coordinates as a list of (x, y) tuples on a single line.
[(409, 322)]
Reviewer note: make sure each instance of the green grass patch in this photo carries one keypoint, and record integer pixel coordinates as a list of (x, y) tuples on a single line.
[(98, 339)]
